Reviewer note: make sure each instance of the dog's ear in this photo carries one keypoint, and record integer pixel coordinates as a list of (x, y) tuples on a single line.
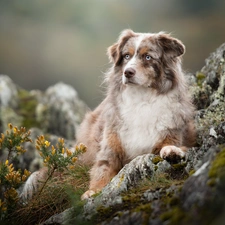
[(171, 46), (114, 51)]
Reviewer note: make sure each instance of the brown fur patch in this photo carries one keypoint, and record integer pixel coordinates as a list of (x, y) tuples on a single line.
[(171, 46), (104, 170), (169, 140), (115, 144), (115, 50), (143, 51)]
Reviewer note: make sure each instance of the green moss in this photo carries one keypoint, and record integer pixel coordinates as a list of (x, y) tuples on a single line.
[(200, 78), (157, 159), (171, 210), (179, 166), (96, 194), (161, 180), (218, 164), (131, 198), (103, 211), (146, 211), (191, 172), (131, 201), (178, 172), (143, 208), (173, 201), (211, 182), (217, 169), (212, 117), (173, 216), (26, 109)]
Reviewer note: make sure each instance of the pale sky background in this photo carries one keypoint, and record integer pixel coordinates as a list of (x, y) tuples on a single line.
[(46, 41)]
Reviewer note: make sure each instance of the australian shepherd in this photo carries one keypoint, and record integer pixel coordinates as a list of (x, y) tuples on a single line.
[(147, 108)]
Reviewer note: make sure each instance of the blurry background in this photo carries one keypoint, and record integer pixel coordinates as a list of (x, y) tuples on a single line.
[(46, 41)]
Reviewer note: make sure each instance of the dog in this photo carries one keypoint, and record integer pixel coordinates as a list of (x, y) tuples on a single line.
[(147, 108)]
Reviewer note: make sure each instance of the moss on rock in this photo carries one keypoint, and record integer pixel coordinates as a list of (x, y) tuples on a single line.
[(173, 216), (217, 169), (157, 159), (27, 109), (200, 78)]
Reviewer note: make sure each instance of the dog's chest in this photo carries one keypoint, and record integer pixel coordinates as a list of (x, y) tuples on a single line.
[(145, 121)]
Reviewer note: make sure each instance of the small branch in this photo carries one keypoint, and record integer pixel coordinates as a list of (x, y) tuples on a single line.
[(44, 184), (9, 154)]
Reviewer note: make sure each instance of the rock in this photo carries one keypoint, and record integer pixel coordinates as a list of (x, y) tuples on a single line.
[(129, 176), (61, 218), (126, 219), (8, 92), (8, 103), (61, 111), (209, 87)]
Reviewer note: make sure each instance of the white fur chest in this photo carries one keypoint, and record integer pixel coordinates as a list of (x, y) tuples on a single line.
[(146, 118)]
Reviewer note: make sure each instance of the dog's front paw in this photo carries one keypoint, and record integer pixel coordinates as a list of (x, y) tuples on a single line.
[(87, 194), (172, 153)]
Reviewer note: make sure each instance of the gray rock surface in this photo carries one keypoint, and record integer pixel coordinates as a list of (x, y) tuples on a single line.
[(61, 218), (8, 103), (8, 92), (129, 176), (61, 111)]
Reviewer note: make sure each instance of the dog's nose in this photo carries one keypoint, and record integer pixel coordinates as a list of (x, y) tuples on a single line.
[(129, 72)]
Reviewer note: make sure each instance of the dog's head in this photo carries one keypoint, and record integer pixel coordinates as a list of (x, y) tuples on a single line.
[(147, 60)]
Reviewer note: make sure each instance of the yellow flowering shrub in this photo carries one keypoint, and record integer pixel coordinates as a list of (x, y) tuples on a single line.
[(57, 158), (11, 179)]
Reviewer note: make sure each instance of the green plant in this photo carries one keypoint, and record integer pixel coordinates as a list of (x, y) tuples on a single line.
[(11, 179), (57, 158), (53, 195)]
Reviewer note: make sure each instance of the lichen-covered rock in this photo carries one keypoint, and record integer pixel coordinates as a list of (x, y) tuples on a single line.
[(63, 218), (60, 111), (129, 176), (8, 103), (210, 118), (8, 92), (209, 86)]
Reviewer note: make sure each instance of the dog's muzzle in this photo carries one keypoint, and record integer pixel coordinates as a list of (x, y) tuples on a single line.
[(128, 75)]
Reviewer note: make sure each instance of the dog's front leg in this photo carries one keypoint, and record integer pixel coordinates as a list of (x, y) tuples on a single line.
[(108, 162)]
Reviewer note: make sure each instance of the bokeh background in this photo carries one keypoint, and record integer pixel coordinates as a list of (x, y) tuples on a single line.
[(46, 41)]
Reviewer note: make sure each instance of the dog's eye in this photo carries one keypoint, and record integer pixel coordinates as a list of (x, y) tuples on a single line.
[(148, 57), (127, 56)]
